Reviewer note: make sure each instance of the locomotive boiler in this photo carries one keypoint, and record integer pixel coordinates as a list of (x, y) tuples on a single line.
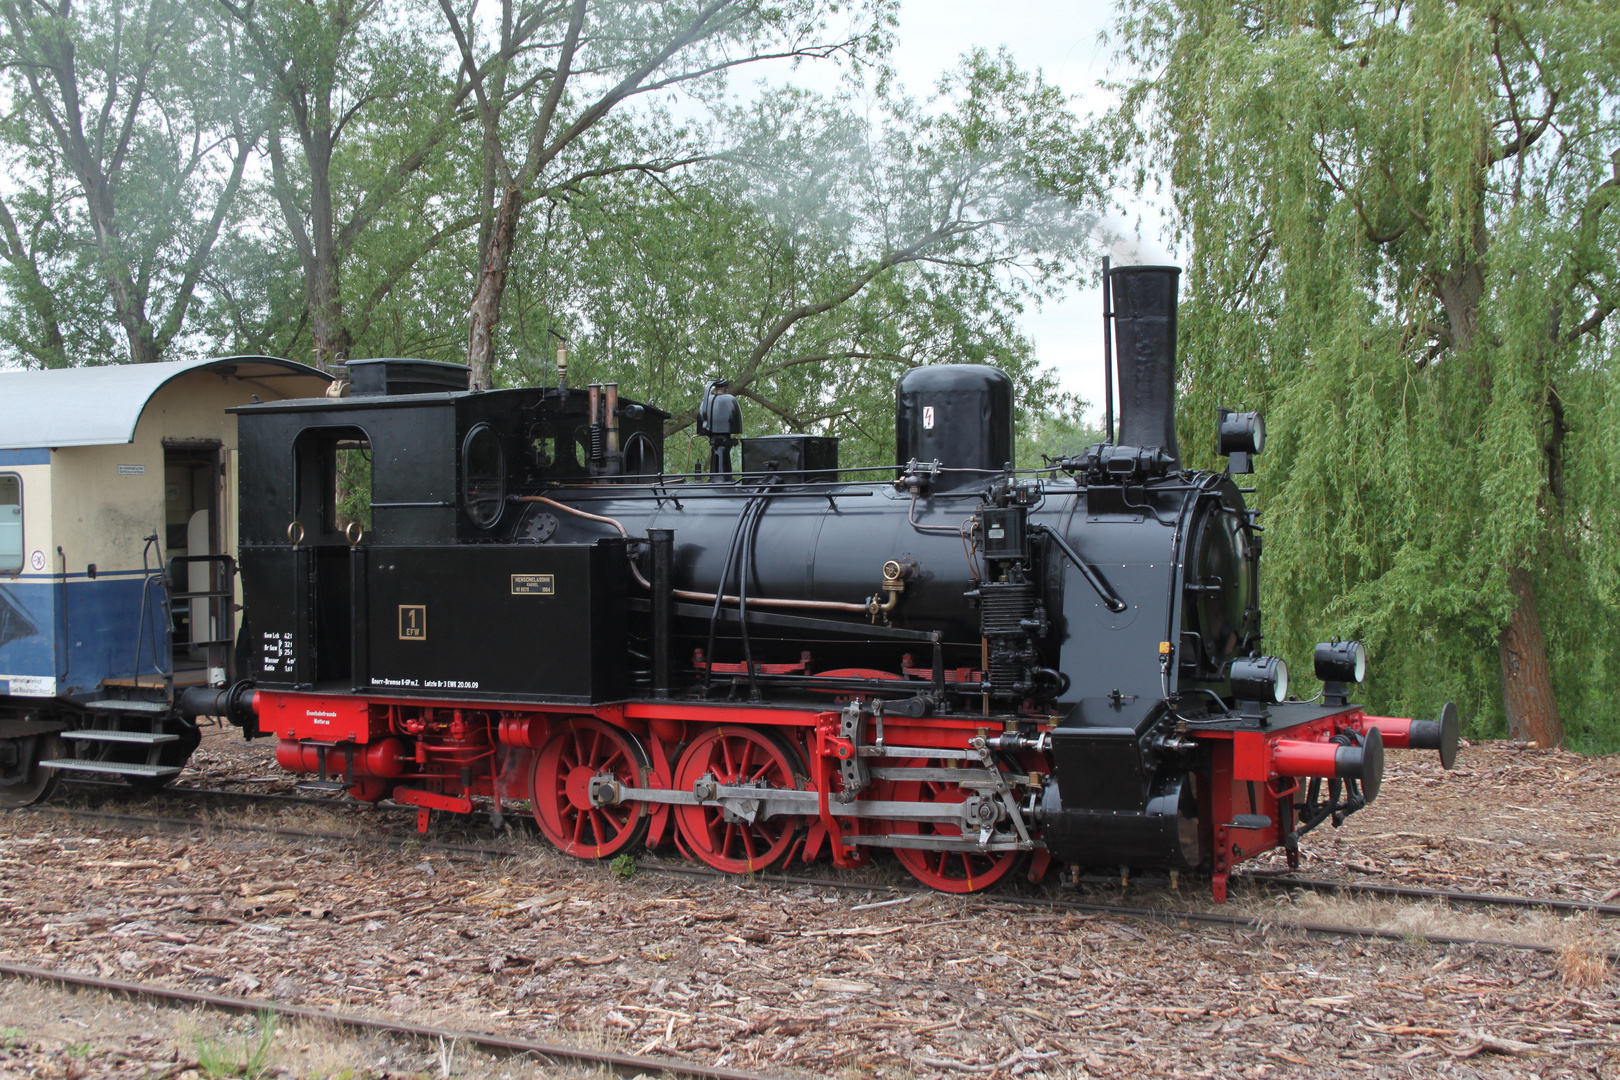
[(972, 665)]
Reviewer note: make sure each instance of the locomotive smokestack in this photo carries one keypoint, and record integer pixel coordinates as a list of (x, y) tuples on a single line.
[(1145, 343)]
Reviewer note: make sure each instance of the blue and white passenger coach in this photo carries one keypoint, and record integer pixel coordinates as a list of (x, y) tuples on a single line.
[(117, 577)]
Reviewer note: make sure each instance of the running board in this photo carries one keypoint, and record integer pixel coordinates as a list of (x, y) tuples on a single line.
[(145, 738), (121, 705), (117, 767)]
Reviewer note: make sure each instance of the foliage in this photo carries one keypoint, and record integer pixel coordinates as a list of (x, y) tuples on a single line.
[(365, 103), (127, 140), (1059, 430), (593, 60), (808, 248), (353, 480), (1404, 238), (834, 249)]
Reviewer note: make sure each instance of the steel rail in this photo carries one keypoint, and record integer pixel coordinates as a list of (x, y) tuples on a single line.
[(629, 1063), (338, 802), (1146, 914), (413, 841), (1414, 892)]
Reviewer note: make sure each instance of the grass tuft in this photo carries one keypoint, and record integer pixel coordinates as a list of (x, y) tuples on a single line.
[(248, 1059)]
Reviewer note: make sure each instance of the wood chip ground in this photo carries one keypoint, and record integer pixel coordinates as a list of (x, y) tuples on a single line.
[(807, 981)]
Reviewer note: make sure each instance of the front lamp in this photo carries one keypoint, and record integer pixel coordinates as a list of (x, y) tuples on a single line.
[(1341, 661), (1242, 435), (1260, 678)]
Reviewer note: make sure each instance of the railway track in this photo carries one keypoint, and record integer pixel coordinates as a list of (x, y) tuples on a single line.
[(1413, 892), (1148, 914), (1258, 879), (625, 1064), (334, 803)]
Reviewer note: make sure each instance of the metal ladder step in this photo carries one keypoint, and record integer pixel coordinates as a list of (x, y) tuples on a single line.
[(1250, 821), (145, 738), (118, 767), (120, 705)]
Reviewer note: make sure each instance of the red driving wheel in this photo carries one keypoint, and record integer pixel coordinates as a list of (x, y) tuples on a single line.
[(737, 756), (582, 749), (947, 871)]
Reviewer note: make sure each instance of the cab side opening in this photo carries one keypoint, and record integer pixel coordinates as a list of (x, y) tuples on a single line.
[(333, 506)]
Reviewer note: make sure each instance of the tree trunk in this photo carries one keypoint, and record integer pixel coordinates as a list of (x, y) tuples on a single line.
[(1527, 691), (322, 291), (331, 334), (486, 303), (129, 306)]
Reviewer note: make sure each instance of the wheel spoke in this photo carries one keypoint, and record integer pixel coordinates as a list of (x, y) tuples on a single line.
[(562, 771), (735, 756), (948, 871)]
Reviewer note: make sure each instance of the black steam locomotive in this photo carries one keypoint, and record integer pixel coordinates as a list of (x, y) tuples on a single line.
[(966, 663)]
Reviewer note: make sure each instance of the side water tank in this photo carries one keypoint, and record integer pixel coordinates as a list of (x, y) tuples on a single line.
[(958, 414)]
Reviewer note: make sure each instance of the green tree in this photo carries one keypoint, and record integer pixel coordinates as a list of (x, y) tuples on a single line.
[(363, 95), (133, 130), (830, 251), (1403, 227), (32, 241), (554, 72)]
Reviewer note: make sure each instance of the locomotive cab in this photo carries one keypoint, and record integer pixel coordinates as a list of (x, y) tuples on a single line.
[(383, 525)]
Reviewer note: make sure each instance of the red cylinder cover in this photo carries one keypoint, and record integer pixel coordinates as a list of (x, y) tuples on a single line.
[(384, 758), (524, 730)]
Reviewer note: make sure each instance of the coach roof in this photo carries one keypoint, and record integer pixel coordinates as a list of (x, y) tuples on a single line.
[(100, 406)]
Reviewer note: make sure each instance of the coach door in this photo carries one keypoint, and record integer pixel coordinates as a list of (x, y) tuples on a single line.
[(200, 571)]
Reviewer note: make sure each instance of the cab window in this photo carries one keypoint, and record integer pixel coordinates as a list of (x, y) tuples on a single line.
[(11, 521), (483, 475), (333, 479)]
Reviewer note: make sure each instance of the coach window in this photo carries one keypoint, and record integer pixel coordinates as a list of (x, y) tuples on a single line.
[(483, 475), (11, 534)]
